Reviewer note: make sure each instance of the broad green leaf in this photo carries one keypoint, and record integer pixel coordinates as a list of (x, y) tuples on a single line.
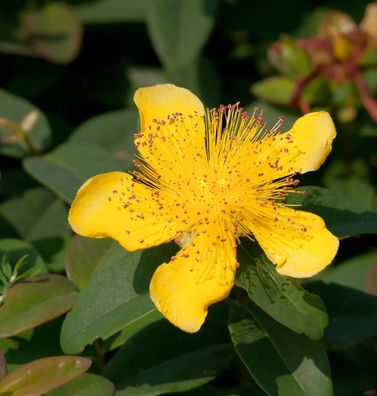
[(113, 131), (55, 31), (277, 89), (18, 112), (163, 359), (115, 297), (353, 314), (343, 217), (289, 59), (359, 272), (83, 256), (353, 180), (15, 249), (200, 76), (280, 361), (179, 30), (40, 218), (35, 301), (111, 11), (279, 296), (120, 338), (43, 375), (86, 385), (66, 168)]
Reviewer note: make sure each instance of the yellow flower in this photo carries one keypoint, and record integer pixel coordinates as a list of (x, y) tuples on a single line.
[(205, 178)]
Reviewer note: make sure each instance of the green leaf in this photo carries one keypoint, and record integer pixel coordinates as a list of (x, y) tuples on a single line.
[(40, 342), (14, 110), (343, 217), (40, 218), (113, 131), (66, 168), (287, 57), (179, 30), (55, 32), (115, 297), (83, 256), (200, 76), (15, 249), (111, 11), (279, 296), (353, 180), (86, 385), (353, 314), (277, 89), (120, 338), (163, 359), (43, 375), (358, 272), (34, 301), (281, 361)]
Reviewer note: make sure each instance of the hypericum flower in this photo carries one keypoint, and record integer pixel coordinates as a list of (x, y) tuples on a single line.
[(205, 178)]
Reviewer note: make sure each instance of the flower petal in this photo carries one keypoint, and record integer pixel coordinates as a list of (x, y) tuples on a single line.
[(200, 275), (312, 137), (272, 157), (158, 101), (297, 242), (172, 139), (114, 205)]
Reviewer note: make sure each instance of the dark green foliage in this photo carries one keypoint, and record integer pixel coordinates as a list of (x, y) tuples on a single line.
[(69, 70)]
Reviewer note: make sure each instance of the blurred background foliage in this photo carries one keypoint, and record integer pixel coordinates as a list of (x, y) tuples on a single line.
[(69, 70)]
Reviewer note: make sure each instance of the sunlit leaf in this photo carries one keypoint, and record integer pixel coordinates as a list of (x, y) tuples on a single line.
[(86, 385), (34, 301), (40, 376)]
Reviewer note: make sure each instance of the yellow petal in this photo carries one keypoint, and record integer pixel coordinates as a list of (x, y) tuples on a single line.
[(302, 149), (312, 137), (297, 242), (160, 100), (200, 275), (114, 205), (172, 137)]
